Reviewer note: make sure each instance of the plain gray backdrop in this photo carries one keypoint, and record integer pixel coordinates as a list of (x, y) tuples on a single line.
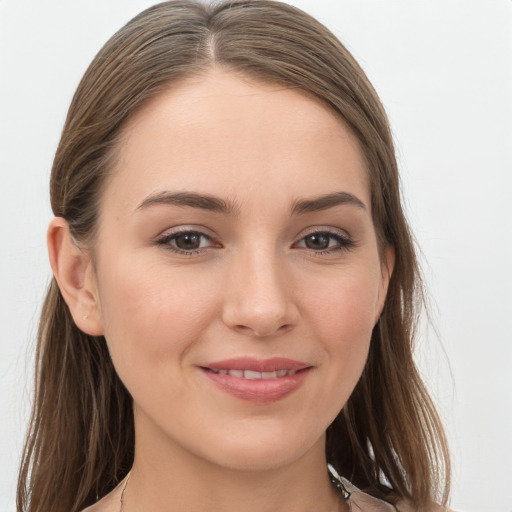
[(443, 69)]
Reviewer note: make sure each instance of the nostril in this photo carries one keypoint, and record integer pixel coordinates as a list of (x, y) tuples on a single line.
[(259, 315), (243, 328), (263, 332)]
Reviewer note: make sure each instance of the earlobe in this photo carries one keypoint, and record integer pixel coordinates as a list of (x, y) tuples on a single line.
[(73, 270), (387, 265)]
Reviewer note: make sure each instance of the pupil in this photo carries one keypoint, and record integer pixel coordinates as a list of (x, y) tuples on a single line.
[(317, 241), (188, 241)]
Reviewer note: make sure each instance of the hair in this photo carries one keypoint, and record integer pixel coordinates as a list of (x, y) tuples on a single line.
[(388, 439)]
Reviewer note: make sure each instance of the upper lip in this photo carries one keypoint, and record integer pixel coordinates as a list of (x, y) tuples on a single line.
[(258, 365)]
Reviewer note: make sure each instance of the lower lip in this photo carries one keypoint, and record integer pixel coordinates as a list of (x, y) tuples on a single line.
[(260, 391)]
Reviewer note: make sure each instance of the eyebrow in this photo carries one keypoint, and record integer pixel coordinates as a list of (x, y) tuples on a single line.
[(326, 201), (190, 199), (218, 205)]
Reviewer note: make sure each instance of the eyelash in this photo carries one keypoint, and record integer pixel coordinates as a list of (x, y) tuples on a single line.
[(344, 242), (167, 239)]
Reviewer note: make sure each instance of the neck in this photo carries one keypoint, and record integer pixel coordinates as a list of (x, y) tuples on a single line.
[(171, 479)]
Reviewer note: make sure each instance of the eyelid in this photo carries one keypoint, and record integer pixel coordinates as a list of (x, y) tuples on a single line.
[(186, 228), (166, 236), (345, 240), (323, 229)]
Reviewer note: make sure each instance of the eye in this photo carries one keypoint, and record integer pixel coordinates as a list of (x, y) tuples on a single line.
[(186, 242), (325, 242)]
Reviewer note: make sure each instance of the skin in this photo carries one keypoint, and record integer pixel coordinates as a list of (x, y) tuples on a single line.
[(256, 286)]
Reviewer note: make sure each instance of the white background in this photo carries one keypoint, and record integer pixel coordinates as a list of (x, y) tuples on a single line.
[(443, 69)]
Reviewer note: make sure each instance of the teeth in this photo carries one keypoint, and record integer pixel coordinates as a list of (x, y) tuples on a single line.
[(251, 375)]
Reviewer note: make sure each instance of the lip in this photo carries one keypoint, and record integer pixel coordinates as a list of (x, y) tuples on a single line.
[(264, 390), (258, 365)]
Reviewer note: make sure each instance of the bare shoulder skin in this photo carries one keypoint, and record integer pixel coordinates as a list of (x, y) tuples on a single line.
[(110, 503)]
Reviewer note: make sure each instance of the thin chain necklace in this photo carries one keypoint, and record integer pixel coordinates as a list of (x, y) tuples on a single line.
[(124, 489), (335, 479)]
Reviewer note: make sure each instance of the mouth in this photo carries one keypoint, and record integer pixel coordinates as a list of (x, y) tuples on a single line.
[(250, 374), (257, 381)]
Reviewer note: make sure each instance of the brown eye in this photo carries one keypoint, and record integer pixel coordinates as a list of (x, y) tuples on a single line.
[(188, 241), (318, 241), (324, 242)]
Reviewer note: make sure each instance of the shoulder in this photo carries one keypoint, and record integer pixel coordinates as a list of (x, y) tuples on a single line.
[(110, 503)]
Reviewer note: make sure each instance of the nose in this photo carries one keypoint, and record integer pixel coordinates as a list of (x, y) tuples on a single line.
[(258, 296)]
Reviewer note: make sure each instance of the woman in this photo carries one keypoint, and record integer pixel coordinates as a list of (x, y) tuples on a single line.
[(235, 285)]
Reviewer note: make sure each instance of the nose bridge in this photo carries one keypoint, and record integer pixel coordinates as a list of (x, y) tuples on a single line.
[(258, 298)]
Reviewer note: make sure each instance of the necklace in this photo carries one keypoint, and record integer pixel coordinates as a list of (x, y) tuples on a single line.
[(333, 475), (338, 483), (124, 489)]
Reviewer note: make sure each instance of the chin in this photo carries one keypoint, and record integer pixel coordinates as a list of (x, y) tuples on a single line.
[(264, 453)]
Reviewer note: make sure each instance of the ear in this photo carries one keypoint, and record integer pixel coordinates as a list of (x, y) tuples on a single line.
[(73, 270), (386, 270)]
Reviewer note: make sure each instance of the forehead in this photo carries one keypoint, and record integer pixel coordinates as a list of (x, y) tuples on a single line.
[(222, 132)]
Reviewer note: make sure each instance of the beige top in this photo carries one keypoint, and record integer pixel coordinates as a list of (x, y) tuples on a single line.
[(362, 502), (358, 501)]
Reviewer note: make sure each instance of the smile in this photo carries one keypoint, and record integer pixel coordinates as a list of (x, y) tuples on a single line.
[(257, 381), (251, 374)]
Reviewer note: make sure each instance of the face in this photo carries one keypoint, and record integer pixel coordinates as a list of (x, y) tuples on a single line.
[(236, 269)]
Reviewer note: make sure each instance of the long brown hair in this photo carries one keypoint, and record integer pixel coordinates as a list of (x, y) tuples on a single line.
[(388, 438)]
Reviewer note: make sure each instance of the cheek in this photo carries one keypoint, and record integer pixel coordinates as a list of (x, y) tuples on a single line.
[(342, 313), (152, 315), (343, 309)]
